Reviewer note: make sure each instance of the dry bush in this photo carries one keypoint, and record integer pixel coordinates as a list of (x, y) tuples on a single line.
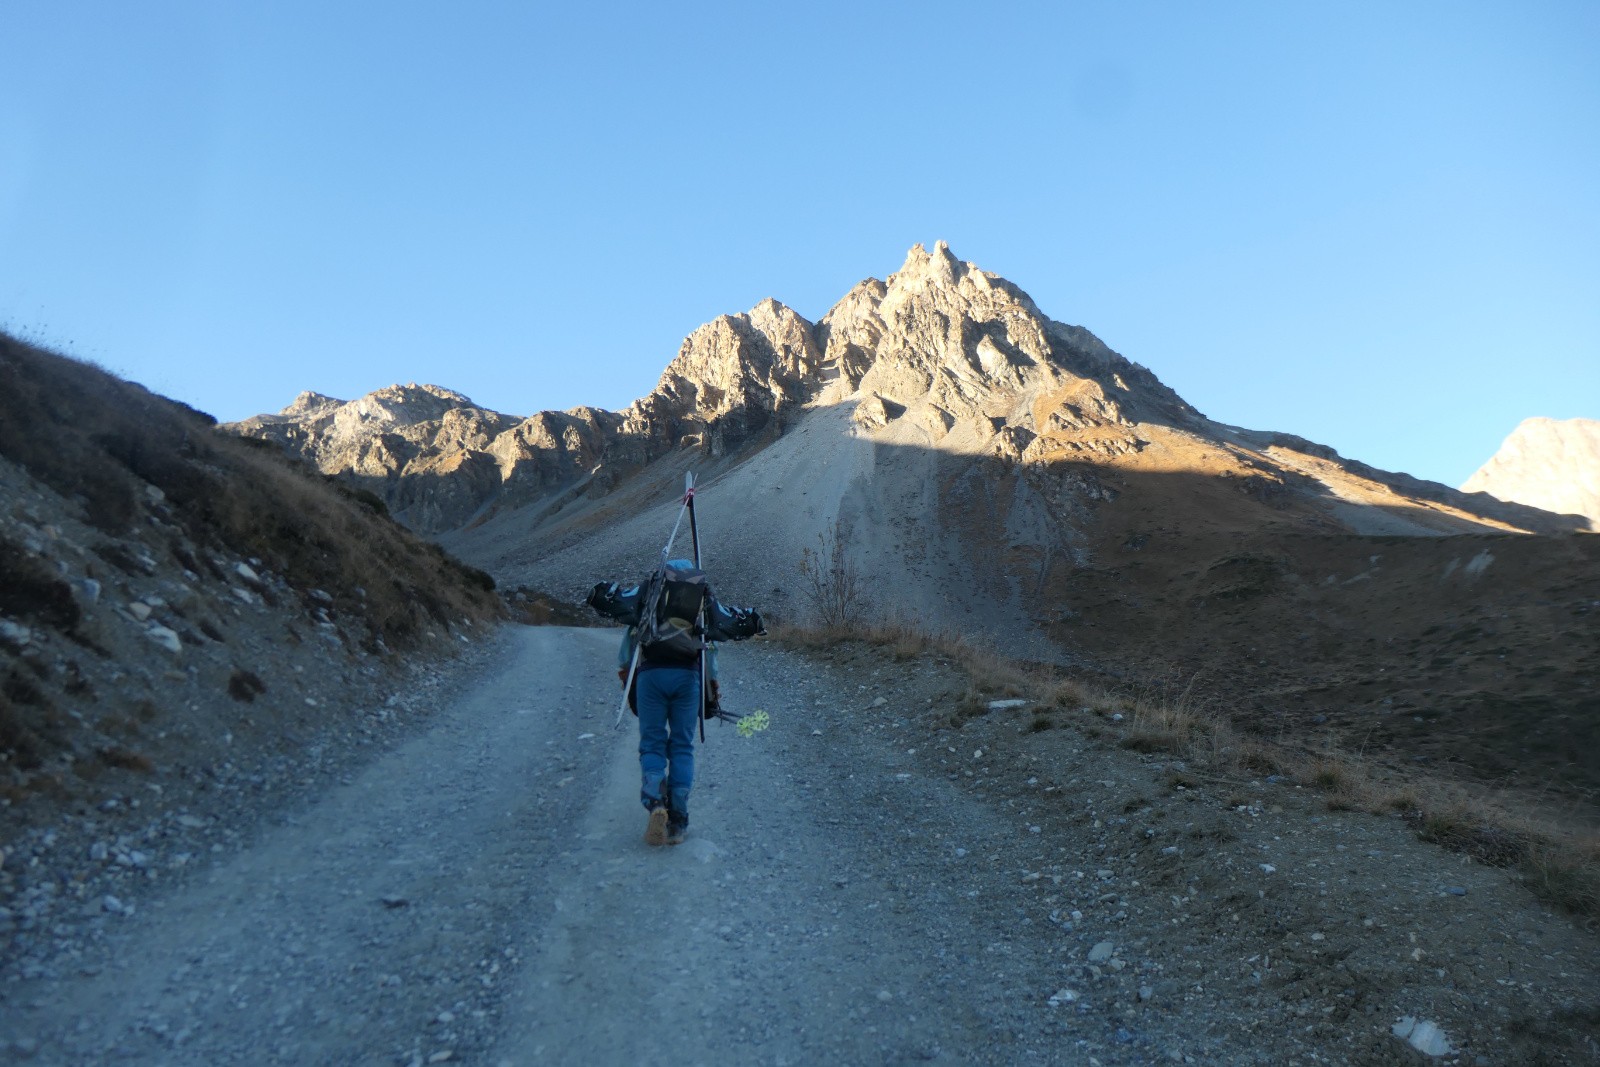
[(1253, 756), (30, 589), (830, 581), (1566, 872), (1068, 693), (996, 678), (245, 685), (1345, 782), (1162, 728)]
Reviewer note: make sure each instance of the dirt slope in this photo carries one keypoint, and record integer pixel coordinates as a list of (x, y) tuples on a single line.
[(864, 882)]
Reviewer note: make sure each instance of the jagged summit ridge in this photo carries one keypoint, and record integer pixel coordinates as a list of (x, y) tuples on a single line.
[(940, 355), (955, 347)]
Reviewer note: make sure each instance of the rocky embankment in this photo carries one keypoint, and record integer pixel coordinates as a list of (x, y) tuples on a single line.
[(187, 622), (176, 708)]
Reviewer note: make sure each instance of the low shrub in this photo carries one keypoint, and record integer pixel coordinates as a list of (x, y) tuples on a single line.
[(245, 685), (30, 590)]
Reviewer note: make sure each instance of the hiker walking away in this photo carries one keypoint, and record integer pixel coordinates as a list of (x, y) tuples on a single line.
[(667, 653)]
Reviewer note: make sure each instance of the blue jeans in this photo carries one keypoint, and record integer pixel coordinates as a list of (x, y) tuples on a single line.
[(669, 712)]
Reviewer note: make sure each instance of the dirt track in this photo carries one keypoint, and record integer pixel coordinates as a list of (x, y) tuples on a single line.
[(483, 891), (858, 887)]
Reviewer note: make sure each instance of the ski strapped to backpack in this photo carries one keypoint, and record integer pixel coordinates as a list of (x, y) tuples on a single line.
[(674, 614)]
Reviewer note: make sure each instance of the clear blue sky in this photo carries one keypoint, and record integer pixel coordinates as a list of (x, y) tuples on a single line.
[(1376, 225)]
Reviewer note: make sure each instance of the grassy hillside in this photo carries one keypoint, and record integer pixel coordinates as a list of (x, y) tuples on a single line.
[(115, 449)]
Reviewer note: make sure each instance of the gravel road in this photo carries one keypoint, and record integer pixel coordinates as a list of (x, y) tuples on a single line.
[(481, 894)]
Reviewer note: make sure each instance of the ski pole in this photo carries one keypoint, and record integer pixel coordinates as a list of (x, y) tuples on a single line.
[(700, 618)]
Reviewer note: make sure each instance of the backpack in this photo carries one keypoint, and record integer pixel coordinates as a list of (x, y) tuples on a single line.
[(621, 603), (670, 613)]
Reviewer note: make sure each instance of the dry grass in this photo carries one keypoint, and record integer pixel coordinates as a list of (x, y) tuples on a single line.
[(31, 590), (1558, 857), (1164, 728)]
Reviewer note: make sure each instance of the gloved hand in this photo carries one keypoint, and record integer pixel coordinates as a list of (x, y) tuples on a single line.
[(622, 676)]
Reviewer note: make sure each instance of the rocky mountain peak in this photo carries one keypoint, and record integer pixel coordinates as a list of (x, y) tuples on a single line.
[(405, 405), (310, 404), (941, 348), (947, 343), (1546, 463), (924, 271), (729, 378)]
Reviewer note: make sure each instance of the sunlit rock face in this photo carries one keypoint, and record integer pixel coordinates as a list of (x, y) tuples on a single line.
[(940, 356), (433, 456), (439, 461), (729, 380), (951, 349), (1546, 463)]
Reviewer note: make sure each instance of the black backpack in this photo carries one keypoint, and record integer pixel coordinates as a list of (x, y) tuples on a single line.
[(670, 615)]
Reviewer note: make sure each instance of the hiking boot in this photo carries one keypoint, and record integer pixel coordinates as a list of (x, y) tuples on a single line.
[(677, 828), (655, 832)]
